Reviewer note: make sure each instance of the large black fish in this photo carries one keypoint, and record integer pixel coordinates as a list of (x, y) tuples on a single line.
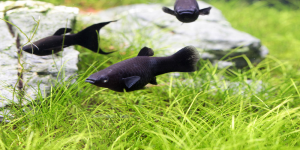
[(133, 74), (87, 38), (187, 10)]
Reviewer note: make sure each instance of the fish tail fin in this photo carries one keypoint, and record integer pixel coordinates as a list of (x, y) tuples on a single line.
[(186, 59), (89, 38)]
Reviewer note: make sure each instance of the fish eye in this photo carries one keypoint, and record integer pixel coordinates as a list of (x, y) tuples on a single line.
[(104, 80)]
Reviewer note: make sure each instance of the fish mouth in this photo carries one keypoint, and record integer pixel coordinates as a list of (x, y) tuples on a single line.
[(186, 12), (187, 16), (90, 81)]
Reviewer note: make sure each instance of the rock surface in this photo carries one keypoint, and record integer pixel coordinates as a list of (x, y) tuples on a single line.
[(37, 70), (212, 34)]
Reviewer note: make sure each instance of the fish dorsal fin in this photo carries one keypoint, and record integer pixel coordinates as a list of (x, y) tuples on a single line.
[(168, 11), (146, 51), (130, 81), (153, 81), (204, 11), (62, 31)]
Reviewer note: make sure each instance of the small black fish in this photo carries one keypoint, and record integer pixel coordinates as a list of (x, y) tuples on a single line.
[(87, 38), (133, 74), (186, 10)]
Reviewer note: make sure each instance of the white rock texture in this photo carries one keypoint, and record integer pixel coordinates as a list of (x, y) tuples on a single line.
[(38, 72)]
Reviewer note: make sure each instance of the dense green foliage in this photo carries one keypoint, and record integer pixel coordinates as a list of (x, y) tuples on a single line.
[(220, 110), (278, 4)]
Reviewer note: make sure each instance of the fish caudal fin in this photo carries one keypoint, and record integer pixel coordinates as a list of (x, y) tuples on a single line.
[(89, 38), (186, 59)]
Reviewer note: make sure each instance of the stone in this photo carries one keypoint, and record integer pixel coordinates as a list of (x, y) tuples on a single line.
[(212, 35), (39, 72), (8, 64)]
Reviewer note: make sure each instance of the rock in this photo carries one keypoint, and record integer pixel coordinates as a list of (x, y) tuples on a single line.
[(38, 71), (212, 34), (8, 64)]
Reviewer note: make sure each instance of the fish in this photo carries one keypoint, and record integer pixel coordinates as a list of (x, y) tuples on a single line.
[(187, 11), (134, 73), (87, 38)]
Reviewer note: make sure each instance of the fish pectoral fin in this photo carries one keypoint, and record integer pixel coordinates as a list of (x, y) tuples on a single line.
[(146, 51), (205, 11), (153, 81), (168, 11), (62, 31), (130, 81)]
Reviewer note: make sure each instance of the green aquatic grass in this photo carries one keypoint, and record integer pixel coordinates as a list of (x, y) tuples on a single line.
[(207, 109), (197, 110)]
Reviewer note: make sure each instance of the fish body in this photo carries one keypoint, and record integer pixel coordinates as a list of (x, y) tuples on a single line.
[(45, 46), (133, 74), (187, 10), (87, 38)]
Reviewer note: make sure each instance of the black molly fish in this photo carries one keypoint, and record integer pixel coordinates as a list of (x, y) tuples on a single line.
[(187, 10), (133, 74), (87, 38)]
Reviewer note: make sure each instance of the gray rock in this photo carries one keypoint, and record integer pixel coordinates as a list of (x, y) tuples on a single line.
[(212, 34), (8, 64), (39, 72)]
